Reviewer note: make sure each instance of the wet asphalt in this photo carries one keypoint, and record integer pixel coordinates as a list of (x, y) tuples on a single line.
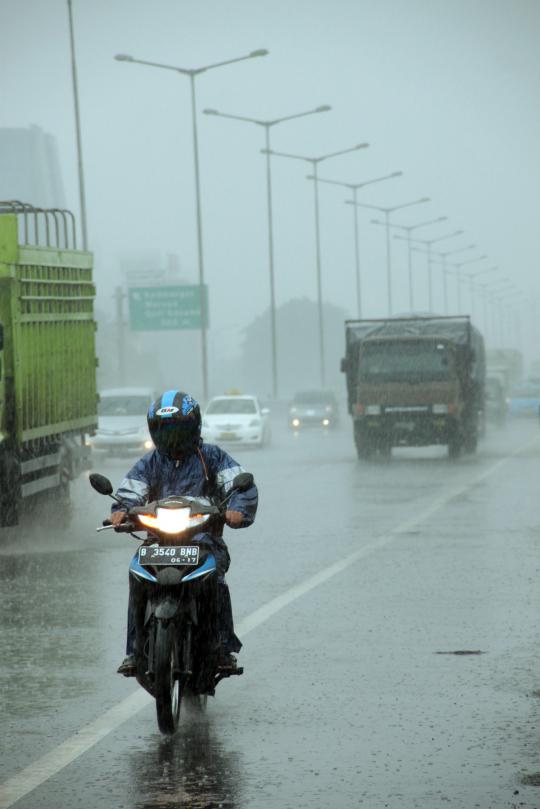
[(353, 694)]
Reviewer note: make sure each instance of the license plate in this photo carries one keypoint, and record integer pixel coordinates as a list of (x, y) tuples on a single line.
[(227, 436), (169, 555), (405, 425)]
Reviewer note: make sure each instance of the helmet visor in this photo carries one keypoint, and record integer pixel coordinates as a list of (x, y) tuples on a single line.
[(173, 438)]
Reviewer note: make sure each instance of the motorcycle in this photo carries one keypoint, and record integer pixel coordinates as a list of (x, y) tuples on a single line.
[(176, 640)]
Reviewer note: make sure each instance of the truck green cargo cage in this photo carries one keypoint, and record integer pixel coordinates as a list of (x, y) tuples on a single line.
[(46, 314)]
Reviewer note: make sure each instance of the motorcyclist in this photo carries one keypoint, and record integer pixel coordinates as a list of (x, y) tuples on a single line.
[(181, 464)]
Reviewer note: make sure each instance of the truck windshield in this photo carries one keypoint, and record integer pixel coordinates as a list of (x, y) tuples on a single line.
[(404, 361), (123, 406)]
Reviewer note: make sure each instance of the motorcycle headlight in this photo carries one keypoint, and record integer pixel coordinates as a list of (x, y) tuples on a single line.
[(173, 520)]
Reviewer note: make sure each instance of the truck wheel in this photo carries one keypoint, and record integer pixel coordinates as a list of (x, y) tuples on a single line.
[(364, 447), (385, 450), (10, 479), (470, 441), (454, 446)]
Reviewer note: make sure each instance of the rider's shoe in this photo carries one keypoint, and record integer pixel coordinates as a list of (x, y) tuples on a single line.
[(128, 666), (227, 661)]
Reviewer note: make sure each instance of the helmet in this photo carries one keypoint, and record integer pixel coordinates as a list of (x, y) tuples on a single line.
[(174, 422)]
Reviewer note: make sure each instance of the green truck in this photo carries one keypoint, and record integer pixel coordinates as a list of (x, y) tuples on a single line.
[(414, 381), (48, 399)]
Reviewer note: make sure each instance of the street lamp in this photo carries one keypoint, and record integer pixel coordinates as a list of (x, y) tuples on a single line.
[(409, 229), (82, 196), (429, 244), (387, 212), (354, 187), (315, 165), (443, 256), (268, 124), (457, 273), (192, 73), (471, 276)]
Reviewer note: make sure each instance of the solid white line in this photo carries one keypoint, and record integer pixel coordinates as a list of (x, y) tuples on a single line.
[(51, 763)]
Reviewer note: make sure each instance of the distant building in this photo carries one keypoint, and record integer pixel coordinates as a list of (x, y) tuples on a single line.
[(30, 167)]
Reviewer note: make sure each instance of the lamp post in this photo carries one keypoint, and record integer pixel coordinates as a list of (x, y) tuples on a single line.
[(80, 168), (355, 187), (471, 276), (387, 211), (429, 244), (409, 229), (315, 166), (457, 273), (267, 125), (192, 74), (443, 260)]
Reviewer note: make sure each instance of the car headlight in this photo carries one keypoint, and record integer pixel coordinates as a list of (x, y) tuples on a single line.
[(373, 410), (255, 423)]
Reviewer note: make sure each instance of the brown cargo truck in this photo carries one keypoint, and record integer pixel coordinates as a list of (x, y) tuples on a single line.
[(414, 382)]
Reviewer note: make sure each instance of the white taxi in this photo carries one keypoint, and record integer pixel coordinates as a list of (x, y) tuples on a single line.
[(236, 420)]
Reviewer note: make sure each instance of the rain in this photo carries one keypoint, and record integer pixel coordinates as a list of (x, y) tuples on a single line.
[(271, 267)]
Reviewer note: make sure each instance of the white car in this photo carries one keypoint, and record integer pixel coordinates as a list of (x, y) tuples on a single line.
[(122, 426), (237, 420)]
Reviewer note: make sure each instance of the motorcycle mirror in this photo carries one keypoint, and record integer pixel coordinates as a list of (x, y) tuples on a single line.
[(101, 484), (243, 482)]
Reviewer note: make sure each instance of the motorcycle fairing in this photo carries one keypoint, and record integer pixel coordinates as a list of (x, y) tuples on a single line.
[(208, 567), (139, 571)]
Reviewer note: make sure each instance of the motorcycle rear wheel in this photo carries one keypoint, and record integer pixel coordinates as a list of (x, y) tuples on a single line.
[(167, 688)]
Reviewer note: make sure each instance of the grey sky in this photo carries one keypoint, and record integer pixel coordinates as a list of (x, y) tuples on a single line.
[(447, 92)]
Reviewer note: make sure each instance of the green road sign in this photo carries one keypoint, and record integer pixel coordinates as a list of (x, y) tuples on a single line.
[(166, 308)]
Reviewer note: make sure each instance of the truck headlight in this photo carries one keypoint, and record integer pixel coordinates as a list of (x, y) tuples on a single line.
[(373, 410), (439, 409)]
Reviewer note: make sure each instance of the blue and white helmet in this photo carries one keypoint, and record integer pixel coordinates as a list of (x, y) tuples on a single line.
[(174, 421)]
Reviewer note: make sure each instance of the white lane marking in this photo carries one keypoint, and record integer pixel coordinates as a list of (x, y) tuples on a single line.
[(51, 763)]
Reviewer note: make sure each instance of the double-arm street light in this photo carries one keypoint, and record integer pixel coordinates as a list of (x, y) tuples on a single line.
[(192, 74), (315, 166), (443, 256), (472, 277), (355, 187), (408, 230), (80, 168), (268, 124), (387, 211), (428, 244), (457, 273)]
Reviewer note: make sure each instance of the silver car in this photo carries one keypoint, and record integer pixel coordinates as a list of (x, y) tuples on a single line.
[(122, 427)]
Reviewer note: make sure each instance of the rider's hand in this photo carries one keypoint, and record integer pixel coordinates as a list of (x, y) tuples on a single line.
[(234, 518), (118, 517)]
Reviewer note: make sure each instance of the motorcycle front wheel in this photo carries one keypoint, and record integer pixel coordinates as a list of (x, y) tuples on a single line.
[(167, 689)]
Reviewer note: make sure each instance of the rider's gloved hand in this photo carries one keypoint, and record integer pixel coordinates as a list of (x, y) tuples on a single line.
[(234, 518), (118, 517)]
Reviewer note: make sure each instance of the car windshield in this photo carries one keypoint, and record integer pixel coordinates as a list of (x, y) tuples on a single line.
[(123, 406), (404, 361), (314, 398), (239, 406)]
